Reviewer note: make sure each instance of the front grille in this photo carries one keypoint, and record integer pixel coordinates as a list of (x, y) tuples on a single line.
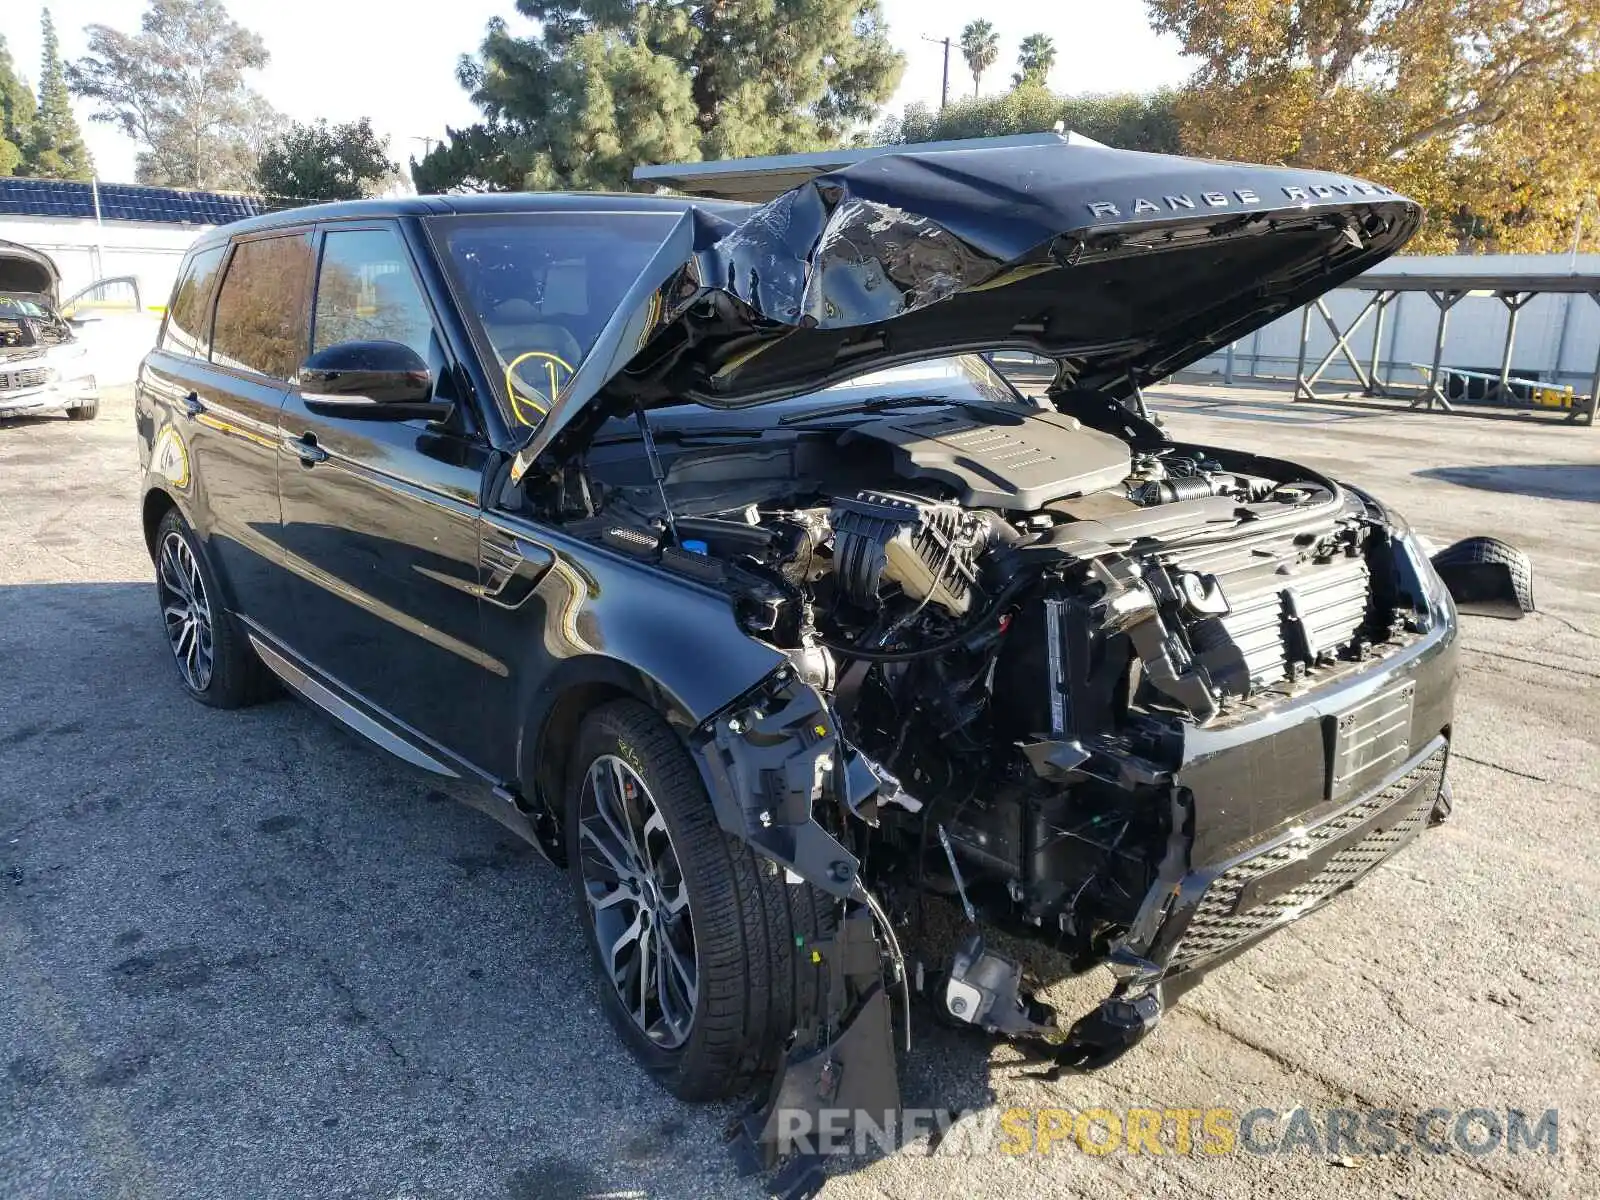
[(11, 381), (1218, 924)]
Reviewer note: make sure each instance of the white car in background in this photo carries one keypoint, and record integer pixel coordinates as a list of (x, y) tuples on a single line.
[(51, 352)]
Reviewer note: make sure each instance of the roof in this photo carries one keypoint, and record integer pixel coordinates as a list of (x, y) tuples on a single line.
[(123, 202), (480, 203), (1425, 275), (760, 179)]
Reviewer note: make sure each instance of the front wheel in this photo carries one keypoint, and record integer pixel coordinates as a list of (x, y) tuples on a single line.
[(87, 411), (704, 951)]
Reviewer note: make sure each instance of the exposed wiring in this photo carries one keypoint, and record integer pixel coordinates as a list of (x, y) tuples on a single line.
[(882, 918), (1005, 596)]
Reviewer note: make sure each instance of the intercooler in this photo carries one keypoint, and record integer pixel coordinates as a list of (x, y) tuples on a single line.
[(1282, 609)]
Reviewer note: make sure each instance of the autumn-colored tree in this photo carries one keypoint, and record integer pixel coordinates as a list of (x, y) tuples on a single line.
[(1487, 111), (980, 46)]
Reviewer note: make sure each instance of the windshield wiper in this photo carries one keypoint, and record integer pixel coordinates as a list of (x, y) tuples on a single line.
[(885, 403), (678, 435)]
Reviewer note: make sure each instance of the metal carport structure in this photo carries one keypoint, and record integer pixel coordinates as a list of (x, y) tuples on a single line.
[(1446, 290)]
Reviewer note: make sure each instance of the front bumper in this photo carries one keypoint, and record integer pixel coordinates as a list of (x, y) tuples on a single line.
[(1277, 826), (48, 399), (30, 387)]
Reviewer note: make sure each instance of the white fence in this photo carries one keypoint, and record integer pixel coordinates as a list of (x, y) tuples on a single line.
[(1558, 336), (85, 251)]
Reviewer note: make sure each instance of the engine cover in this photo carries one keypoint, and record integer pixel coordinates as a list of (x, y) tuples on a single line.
[(1017, 465)]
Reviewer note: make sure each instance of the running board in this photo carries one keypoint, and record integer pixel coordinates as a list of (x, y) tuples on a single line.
[(342, 710)]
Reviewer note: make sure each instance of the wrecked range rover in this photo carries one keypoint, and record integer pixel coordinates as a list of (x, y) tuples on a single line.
[(797, 609)]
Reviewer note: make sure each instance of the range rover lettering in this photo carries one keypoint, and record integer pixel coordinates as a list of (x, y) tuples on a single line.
[(709, 541)]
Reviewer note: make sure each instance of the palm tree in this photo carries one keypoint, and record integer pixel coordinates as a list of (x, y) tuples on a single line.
[(980, 46), (1035, 57)]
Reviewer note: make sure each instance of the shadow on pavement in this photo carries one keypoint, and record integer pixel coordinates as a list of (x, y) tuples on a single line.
[(247, 954), (1549, 481)]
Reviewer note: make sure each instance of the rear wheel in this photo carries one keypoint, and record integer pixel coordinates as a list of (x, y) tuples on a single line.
[(704, 951), (215, 662)]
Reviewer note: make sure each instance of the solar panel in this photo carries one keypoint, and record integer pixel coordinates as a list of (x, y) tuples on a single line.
[(125, 202)]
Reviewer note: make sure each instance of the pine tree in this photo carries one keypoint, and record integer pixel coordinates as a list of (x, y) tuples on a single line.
[(55, 149), (609, 84)]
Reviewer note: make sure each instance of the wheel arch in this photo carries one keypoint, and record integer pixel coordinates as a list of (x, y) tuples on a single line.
[(556, 710), (157, 503)]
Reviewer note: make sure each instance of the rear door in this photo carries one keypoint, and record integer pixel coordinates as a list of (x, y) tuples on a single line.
[(237, 327), (381, 517), (260, 330)]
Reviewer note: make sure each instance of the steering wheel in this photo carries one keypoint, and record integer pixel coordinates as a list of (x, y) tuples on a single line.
[(548, 371)]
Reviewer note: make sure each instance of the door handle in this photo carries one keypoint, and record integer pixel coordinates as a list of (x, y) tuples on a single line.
[(306, 447), (193, 406)]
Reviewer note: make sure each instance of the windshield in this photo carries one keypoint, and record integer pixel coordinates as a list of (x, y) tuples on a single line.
[(24, 304), (539, 288)]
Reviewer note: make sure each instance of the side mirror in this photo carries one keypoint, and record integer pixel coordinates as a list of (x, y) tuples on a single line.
[(374, 381)]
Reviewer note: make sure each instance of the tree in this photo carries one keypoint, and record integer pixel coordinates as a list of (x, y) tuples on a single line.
[(55, 148), (1487, 111), (1130, 122), (980, 46), (16, 113), (1035, 58), (319, 161), (609, 84), (178, 89)]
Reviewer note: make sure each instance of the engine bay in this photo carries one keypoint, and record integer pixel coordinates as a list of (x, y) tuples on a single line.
[(1014, 621)]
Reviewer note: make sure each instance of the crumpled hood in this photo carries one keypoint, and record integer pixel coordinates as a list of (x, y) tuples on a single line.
[(1122, 267), (23, 269)]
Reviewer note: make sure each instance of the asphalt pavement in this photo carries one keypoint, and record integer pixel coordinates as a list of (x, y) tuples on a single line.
[(248, 955)]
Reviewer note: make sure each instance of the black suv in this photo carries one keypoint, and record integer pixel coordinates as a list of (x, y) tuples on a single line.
[(710, 542)]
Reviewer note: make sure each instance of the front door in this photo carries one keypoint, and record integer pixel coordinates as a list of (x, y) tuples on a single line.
[(381, 518)]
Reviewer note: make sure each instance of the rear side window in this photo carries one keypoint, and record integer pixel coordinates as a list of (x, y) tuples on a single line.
[(262, 324), (366, 292), (186, 331)]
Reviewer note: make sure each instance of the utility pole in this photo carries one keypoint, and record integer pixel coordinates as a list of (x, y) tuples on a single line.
[(944, 86)]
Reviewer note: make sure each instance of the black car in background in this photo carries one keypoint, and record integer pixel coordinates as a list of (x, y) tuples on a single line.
[(706, 539)]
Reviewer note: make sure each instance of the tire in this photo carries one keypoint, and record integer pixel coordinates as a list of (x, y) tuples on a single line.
[(750, 931), (86, 411), (215, 663), (1475, 550)]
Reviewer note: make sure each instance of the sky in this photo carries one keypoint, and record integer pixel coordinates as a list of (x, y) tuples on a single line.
[(401, 72)]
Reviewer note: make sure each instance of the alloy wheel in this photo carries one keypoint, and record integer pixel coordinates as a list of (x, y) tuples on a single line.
[(186, 609), (638, 901)]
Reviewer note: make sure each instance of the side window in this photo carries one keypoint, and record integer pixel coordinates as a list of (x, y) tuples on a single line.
[(186, 331), (261, 322), (366, 292)]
